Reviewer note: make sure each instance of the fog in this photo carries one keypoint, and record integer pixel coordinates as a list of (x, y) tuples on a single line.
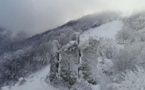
[(36, 16)]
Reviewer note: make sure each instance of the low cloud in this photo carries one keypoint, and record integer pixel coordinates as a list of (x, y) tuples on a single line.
[(36, 16)]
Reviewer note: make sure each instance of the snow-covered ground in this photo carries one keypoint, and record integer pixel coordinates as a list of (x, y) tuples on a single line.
[(34, 82), (108, 30)]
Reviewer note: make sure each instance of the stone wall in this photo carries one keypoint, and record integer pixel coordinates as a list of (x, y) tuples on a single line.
[(71, 63)]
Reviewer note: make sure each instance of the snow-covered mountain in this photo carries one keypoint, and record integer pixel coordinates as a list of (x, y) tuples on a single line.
[(36, 81), (25, 63), (36, 49)]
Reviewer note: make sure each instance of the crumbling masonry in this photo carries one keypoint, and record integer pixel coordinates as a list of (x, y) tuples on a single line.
[(71, 63)]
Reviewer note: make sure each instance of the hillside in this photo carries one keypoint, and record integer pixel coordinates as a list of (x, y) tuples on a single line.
[(107, 47), (41, 75), (35, 51)]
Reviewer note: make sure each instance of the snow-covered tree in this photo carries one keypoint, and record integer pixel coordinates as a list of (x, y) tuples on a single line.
[(89, 61), (126, 58), (133, 80)]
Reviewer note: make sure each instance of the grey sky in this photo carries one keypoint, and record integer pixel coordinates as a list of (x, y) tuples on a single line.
[(35, 16)]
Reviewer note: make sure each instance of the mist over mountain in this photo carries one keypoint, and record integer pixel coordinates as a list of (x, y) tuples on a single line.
[(72, 45), (92, 51), (26, 50), (35, 16)]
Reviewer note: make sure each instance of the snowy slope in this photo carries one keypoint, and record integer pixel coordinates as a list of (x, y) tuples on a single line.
[(108, 30), (34, 82)]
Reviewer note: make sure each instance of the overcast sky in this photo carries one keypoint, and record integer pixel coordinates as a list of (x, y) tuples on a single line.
[(36, 16)]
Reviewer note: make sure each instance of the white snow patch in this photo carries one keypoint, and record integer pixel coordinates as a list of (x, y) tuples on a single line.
[(108, 30), (34, 82)]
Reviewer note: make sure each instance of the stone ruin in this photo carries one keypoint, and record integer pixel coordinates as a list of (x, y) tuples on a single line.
[(70, 63)]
